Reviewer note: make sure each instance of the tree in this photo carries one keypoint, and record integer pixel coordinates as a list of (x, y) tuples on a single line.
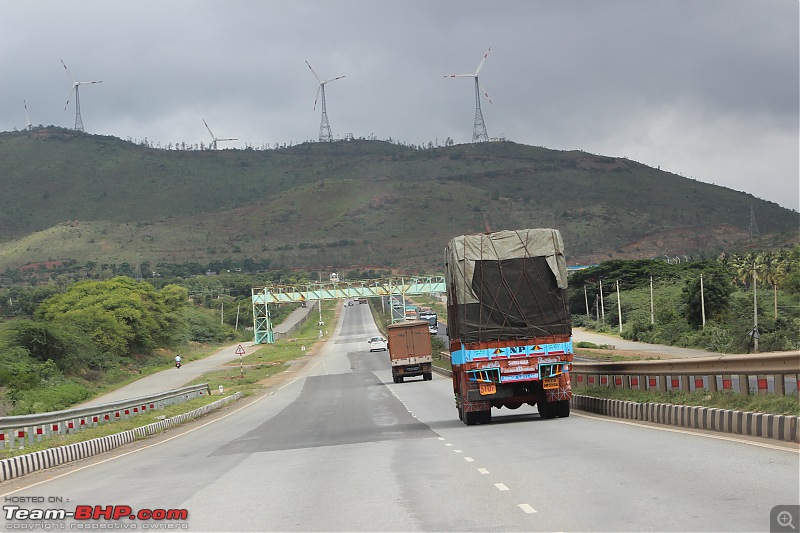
[(121, 316), (715, 296)]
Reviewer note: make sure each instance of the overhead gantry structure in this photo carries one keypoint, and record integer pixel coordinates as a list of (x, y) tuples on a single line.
[(336, 290)]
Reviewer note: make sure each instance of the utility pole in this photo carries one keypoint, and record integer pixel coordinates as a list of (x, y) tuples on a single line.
[(586, 299), (602, 304), (702, 301), (755, 310), (652, 311), (619, 308)]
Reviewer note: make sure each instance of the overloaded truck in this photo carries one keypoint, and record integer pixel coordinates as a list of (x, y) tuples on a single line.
[(410, 350), (509, 323)]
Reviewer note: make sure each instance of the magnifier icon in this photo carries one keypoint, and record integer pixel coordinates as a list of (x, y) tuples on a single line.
[(785, 520)]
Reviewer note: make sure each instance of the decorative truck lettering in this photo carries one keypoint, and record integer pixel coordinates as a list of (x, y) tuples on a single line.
[(509, 324)]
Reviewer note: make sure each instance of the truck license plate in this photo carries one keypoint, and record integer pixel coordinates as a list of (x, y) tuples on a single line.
[(487, 388), (550, 383)]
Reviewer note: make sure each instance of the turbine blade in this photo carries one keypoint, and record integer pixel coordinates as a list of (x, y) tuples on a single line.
[(459, 75), (483, 61), (27, 117), (485, 92), (68, 72), (227, 139), (69, 95), (333, 79), (314, 73), (209, 130), (87, 82), (317, 96)]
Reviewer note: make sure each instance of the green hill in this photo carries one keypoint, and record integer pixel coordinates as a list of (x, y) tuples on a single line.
[(76, 197)]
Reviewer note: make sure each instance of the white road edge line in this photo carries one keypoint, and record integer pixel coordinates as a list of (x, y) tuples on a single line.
[(142, 448), (686, 432)]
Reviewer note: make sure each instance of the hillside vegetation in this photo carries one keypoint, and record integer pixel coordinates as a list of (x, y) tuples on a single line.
[(77, 199)]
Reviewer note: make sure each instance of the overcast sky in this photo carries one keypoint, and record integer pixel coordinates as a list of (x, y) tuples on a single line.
[(707, 89)]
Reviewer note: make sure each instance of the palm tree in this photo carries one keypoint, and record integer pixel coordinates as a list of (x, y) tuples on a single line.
[(768, 268), (744, 267)]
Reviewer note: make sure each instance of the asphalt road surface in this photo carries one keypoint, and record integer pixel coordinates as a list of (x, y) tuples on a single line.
[(340, 447)]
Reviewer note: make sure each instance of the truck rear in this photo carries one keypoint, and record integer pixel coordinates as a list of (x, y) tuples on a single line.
[(431, 318), (410, 350), (509, 324)]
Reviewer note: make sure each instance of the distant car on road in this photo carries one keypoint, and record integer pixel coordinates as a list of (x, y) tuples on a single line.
[(377, 343)]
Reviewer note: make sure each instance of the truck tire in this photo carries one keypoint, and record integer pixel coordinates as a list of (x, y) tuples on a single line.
[(546, 410), (485, 417), (562, 409), (396, 379), (399, 379), (460, 414), (471, 418), (427, 376)]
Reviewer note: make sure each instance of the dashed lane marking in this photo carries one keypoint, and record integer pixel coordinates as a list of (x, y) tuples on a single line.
[(483, 471), (527, 508), (500, 486)]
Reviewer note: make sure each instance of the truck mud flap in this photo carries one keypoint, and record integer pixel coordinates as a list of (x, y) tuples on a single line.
[(474, 395)]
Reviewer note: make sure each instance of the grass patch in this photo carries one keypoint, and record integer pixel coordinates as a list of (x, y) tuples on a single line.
[(440, 361), (268, 360), (770, 403)]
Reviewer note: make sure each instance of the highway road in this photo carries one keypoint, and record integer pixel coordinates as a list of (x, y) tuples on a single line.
[(339, 447)]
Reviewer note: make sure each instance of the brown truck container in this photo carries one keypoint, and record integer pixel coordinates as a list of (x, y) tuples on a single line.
[(410, 350)]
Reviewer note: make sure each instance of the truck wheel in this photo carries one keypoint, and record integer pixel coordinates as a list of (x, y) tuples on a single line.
[(471, 418), (546, 410), (460, 414), (399, 379), (562, 409), (485, 417), (396, 379), (427, 376)]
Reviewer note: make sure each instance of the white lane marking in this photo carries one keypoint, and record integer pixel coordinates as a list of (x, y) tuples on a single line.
[(441, 438), (483, 471), (527, 508), (448, 444), (500, 486), (469, 459), (458, 451), (685, 432)]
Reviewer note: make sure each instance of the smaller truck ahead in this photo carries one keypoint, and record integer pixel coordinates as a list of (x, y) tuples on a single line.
[(431, 318), (410, 350)]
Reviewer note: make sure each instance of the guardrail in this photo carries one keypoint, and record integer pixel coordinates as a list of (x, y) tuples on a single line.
[(761, 373), (16, 430)]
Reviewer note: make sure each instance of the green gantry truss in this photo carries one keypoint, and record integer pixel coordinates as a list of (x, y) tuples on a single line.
[(277, 294)]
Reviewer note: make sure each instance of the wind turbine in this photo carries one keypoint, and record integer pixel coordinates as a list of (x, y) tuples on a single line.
[(75, 85), (28, 124), (479, 128), (214, 141), (324, 127)]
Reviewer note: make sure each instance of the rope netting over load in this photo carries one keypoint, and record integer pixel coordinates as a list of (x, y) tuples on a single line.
[(507, 285)]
